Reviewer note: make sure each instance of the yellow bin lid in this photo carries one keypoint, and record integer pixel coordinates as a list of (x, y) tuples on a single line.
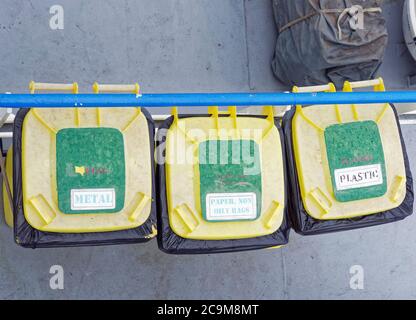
[(349, 158), (224, 176), (86, 170)]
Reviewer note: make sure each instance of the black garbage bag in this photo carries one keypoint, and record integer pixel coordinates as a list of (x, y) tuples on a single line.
[(323, 41)]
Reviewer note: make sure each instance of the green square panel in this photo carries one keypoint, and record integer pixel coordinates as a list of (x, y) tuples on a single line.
[(230, 180), (356, 160), (90, 170)]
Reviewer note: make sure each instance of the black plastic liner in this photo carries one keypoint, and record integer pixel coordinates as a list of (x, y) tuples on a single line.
[(305, 224), (170, 242), (26, 236)]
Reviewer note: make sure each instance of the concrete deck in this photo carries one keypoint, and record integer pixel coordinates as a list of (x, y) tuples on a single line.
[(178, 46)]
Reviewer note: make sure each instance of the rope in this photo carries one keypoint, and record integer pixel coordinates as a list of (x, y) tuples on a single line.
[(354, 11)]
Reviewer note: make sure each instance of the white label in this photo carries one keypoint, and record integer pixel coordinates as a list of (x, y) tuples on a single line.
[(231, 206), (358, 177), (93, 199)]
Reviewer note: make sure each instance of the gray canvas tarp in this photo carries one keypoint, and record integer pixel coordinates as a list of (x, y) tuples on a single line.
[(323, 41)]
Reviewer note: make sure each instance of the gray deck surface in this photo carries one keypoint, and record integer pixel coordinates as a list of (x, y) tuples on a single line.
[(189, 46)]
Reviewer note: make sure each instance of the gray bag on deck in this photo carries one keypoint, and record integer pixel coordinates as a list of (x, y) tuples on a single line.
[(323, 41)]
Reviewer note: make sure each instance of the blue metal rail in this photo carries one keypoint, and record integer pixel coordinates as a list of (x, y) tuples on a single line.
[(200, 99)]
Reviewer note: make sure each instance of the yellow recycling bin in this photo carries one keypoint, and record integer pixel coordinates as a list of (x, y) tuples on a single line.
[(221, 183), (348, 165), (81, 176)]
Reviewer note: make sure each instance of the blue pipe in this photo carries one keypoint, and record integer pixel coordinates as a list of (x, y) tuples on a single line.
[(200, 99)]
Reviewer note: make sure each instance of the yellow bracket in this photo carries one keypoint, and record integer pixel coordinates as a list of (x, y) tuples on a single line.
[(42, 86), (321, 199), (181, 126), (138, 204), (174, 112), (43, 209), (188, 217), (272, 214), (378, 86), (232, 112), (396, 187), (330, 87), (268, 112), (115, 88)]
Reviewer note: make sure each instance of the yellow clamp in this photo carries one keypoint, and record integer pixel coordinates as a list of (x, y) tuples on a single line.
[(41, 86)]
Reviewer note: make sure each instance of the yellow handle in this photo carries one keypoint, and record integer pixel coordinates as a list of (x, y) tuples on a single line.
[(330, 87), (41, 86), (132, 88), (377, 84), (213, 110)]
